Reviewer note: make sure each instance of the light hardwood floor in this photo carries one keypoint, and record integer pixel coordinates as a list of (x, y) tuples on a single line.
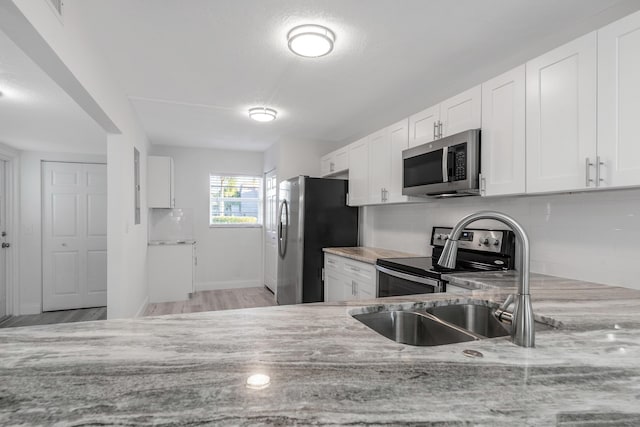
[(224, 299), (51, 317)]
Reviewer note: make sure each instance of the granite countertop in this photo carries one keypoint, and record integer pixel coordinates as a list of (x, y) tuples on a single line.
[(366, 254), (328, 368), (171, 242)]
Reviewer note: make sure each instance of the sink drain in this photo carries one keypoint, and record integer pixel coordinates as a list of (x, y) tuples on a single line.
[(472, 353)]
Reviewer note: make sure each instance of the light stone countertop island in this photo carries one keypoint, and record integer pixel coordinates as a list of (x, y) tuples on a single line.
[(327, 368)]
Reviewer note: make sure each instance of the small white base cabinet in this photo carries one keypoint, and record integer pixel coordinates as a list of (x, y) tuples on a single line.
[(346, 279), (171, 272)]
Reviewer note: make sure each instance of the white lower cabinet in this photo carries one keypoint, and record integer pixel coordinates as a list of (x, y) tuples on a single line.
[(170, 269), (346, 279)]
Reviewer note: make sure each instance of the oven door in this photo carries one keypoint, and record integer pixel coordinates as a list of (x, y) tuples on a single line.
[(394, 283)]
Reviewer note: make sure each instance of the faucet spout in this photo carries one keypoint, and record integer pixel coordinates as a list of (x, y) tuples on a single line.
[(522, 326)]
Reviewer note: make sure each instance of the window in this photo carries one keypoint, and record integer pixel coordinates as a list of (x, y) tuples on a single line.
[(235, 200)]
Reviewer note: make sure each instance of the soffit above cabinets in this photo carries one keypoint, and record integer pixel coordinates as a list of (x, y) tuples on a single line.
[(192, 69)]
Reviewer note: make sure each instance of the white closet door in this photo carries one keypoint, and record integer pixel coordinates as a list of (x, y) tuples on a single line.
[(74, 256), (503, 134), (561, 117), (619, 102)]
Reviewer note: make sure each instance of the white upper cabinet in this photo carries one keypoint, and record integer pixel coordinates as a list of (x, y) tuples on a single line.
[(561, 117), (461, 112), (503, 134), (619, 103), (160, 187), (399, 140), (359, 172), (334, 162), (457, 114), (423, 126), (379, 166)]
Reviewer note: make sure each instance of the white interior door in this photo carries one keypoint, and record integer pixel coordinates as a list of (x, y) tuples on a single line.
[(3, 234), (74, 238), (270, 230)]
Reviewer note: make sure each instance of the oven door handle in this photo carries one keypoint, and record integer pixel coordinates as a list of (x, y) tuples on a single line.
[(434, 283)]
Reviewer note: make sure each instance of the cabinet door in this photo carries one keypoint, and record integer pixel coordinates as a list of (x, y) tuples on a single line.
[(462, 112), (503, 134), (333, 286), (399, 140), (160, 182), (359, 173), (561, 117), (619, 102), (341, 159), (423, 126), (326, 163), (379, 166)]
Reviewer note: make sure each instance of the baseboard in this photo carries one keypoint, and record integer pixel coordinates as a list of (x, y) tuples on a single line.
[(230, 284), (143, 307), (30, 309)]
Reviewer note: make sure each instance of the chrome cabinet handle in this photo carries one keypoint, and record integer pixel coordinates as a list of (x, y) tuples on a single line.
[(588, 165), (435, 129), (445, 166), (439, 129), (599, 178), (483, 185)]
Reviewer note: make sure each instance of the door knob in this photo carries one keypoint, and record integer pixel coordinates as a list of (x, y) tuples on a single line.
[(5, 245)]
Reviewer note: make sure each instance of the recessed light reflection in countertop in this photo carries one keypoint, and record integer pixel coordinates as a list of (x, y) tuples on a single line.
[(258, 381)]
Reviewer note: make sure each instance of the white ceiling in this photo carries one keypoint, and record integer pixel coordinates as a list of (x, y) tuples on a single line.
[(193, 68), (35, 114)]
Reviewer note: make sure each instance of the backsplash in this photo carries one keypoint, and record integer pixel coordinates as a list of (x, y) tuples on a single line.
[(592, 236), (171, 224)]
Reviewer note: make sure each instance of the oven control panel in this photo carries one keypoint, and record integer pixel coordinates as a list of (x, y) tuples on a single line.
[(472, 239)]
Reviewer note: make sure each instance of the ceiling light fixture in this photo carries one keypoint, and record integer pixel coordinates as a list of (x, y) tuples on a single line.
[(263, 114), (311, 40)]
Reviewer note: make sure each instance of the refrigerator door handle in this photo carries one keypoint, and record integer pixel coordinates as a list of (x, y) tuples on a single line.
[(283, 228)]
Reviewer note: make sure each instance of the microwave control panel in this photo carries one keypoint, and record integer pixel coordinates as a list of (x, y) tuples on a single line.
[(458, 162)]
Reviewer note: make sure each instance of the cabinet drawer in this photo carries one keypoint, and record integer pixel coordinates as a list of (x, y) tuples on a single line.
[(333, 263), (359, 270)]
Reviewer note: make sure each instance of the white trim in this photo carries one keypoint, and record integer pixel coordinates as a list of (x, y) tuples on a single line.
[(12, 211), (142, 308), (228, 284)]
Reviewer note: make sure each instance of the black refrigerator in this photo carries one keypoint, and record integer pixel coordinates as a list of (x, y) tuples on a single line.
[(313, 214)]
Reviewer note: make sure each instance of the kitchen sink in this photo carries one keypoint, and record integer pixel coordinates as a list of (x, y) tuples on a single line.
[(475, 318), (408, 327), (446, 324)]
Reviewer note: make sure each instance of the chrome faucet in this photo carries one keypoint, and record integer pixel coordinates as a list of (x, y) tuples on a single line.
[(522, 324)]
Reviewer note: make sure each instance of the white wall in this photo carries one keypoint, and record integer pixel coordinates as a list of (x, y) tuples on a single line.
[(227, 257), (590, 236), (64, 51), (29, 290)]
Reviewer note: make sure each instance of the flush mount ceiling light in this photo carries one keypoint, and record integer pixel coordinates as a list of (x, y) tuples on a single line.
[(310, 40), (263, 114)]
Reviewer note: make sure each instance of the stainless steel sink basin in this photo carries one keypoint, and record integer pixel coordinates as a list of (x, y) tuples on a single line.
[(446, 324), (413, 328), (478, 319)]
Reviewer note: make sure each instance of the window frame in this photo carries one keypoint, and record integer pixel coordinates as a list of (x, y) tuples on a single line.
[(260, 202)]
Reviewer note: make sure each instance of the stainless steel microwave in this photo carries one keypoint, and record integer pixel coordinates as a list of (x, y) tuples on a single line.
[(449, 166)]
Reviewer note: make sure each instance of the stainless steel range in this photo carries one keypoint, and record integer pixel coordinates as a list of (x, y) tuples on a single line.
[(478, 250)]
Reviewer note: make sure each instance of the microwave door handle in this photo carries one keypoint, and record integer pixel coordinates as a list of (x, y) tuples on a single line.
[(445, 164)]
